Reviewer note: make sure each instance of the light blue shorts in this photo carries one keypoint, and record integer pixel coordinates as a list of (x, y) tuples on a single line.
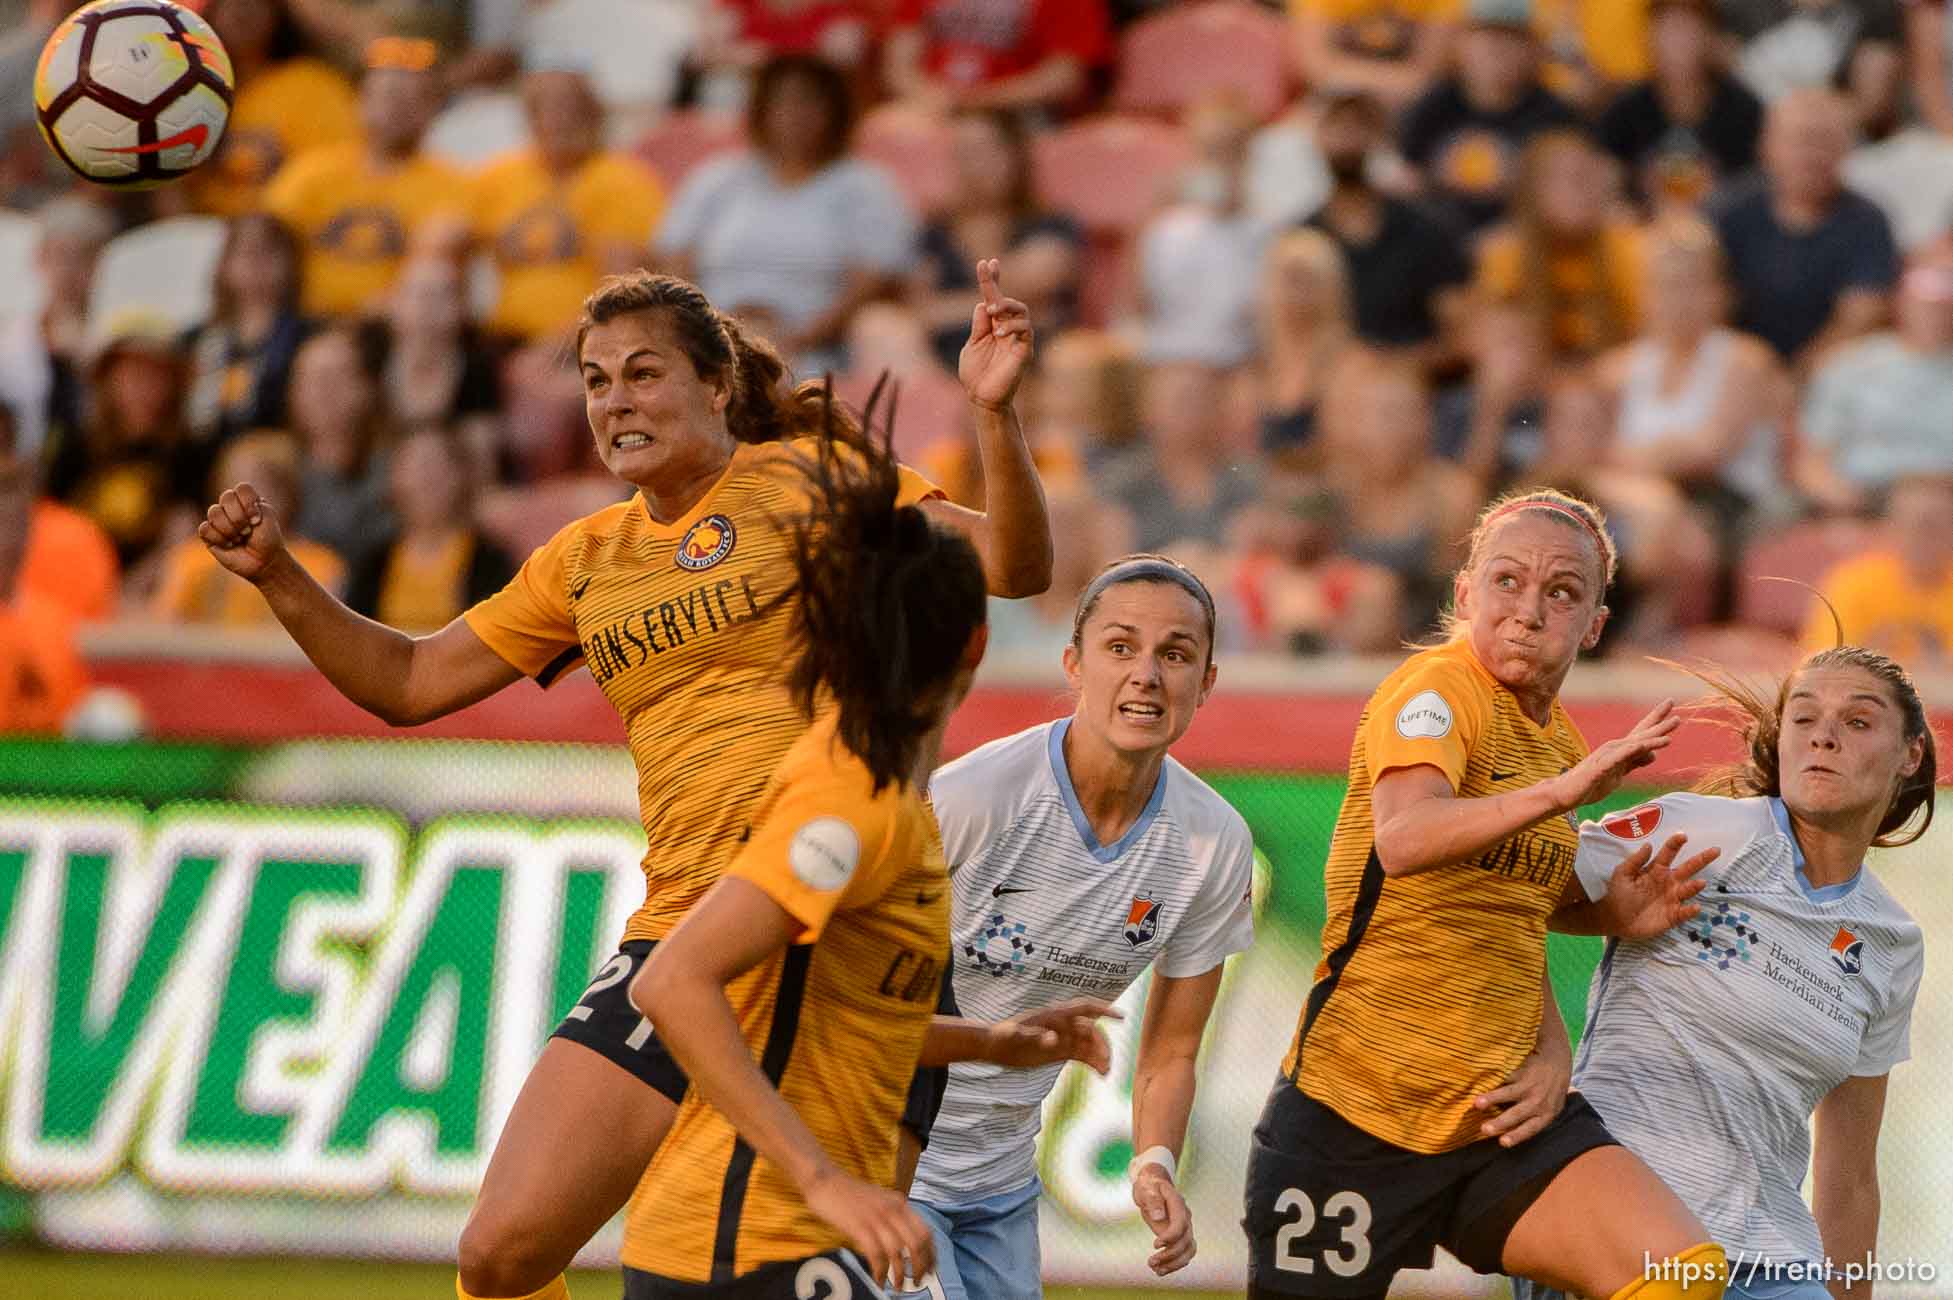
[(985, 1250)]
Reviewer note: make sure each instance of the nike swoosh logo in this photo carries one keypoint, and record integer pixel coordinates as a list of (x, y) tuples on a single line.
[(581, 587), (1000, 891), (194, 135), (923, 900), (1503, 776)]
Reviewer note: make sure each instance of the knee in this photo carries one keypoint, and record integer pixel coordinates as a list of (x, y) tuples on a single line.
[(496, 1259)]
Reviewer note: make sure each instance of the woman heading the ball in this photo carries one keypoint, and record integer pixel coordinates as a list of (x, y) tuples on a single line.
[(1719, 1030), (1424, 1099), (1084, 837), (674, 601)]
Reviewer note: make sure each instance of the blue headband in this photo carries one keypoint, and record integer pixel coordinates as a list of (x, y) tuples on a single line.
[(1148, 570)]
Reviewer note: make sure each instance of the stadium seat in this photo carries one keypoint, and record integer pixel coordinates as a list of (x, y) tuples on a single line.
[(682, 140), (632, 49), (1803, 552), (1739, 648), (20, 238), (915, 148), (478, 127), (1176, 57), (930, 407), (165, 267), (1109, 172)]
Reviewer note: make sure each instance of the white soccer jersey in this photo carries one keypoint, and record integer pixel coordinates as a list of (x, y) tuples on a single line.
[(1708, 1047), (1043, 912)]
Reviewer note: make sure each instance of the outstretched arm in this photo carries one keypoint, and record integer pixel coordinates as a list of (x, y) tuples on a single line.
[(1012, 533), (400, 679), (1422, 824), (1065, 1031)]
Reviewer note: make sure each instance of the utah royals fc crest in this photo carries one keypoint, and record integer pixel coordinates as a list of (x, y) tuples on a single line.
[(706, 543), (1142, 920)]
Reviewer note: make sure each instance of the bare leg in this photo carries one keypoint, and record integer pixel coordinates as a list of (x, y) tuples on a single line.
[(576, 1142), (1598, 1223)]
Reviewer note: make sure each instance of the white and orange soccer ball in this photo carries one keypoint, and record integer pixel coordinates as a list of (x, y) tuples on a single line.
[(133, 93)]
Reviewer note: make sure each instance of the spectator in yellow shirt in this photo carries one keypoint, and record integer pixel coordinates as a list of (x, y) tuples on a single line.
[(438, 564), (1898, 599), (561, 213), (196, 589), (359, 205), (288, 103), (1563, 255), (1392, 49)]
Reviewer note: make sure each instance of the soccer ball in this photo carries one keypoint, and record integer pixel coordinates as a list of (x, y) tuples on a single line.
[(133, 92)]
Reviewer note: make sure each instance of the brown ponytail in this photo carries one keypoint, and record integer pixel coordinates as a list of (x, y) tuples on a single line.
[(767, 407), (887, 602)]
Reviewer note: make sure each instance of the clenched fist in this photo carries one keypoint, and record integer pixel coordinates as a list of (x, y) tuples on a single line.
[(242, 531)]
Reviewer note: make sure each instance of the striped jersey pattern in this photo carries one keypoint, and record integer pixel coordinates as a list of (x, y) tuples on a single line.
[(1043, 912), (685, 629), (1430, 990), (836, 1021), (1708, 1047)]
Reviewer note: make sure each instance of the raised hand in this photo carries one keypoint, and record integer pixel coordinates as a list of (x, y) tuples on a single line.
[(1065, 1031), (879, 1224), (1648, 894), (1600, 773), (1001, 342), (242, 531)]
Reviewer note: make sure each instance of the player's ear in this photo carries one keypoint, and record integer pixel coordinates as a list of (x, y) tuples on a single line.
[(1592, 638), (1207, 682), (1074, 667), (1461, 591)]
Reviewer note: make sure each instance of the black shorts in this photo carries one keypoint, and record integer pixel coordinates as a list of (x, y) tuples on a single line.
[(834, 1275), (1335, 1212), (926, 1089), (604, 1021)]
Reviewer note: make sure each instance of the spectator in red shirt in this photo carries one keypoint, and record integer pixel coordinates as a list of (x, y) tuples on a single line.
[(746, 33), (997, 53)]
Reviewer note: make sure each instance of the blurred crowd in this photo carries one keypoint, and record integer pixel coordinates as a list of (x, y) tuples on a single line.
[(1312, 283)]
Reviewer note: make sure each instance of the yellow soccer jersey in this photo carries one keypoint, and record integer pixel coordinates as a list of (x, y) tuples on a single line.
[(299, 105), (1359, 11), (548, 239), (837, 1021), (355, 222), (683, 628), (1430, 990)]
